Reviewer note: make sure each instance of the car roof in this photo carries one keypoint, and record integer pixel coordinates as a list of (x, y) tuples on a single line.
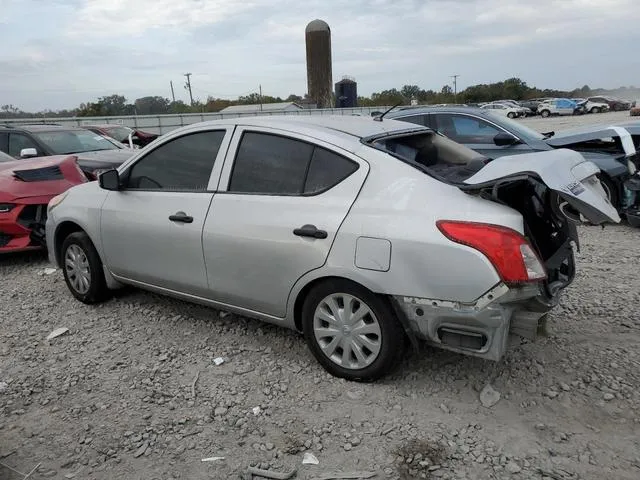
[(104, 125), (42, 127), (339, 125), (427, 109)]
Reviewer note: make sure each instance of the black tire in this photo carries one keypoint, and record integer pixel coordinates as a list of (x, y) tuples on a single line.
[(595, 110), (391, 332), (545, 113), (511, 115), (97, 290)]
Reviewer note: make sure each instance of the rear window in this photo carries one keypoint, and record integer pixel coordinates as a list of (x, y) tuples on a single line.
[(433, 153)]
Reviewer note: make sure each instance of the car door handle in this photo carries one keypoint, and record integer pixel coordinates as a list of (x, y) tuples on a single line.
[(310, 231), (181, 217)]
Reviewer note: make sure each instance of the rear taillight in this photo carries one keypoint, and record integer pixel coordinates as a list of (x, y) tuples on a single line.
[(508, 251)]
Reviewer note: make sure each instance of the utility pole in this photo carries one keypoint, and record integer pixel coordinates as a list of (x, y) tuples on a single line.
[(455, 88), (260, 97), (173, 94), (188, 86)]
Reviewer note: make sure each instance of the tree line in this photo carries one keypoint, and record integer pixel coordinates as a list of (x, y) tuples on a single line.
[(118, 105)]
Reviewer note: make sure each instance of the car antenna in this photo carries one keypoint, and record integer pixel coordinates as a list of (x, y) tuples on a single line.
[(379, 119)]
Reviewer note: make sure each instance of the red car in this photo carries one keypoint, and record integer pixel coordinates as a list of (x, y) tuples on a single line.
[(122, 134), (26, 186)]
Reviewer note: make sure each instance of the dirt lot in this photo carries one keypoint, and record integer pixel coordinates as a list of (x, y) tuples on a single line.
[(565, 122), (132, 390)]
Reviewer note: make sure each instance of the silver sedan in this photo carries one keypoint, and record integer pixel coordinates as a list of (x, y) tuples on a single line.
[(366, 235)]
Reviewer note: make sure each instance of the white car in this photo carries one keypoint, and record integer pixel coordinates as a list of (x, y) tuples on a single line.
[(502, 109), (360, 233), (557, 106), (591, 106)]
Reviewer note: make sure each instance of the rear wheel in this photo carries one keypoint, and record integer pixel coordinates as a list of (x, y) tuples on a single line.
[(511, 115), (545, 113), (352, 332), (82, 269)]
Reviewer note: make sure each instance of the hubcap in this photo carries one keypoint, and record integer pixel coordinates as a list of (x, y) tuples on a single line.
[(77, 266), (347, 331)]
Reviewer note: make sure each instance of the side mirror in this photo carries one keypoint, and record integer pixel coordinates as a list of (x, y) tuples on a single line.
[(504, 139), (28, 153), (109, 180)]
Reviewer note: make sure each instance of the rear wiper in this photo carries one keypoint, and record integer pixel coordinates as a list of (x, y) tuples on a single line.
[(548, 134)]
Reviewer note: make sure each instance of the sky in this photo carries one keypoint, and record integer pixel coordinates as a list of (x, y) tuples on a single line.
[(59, 53)]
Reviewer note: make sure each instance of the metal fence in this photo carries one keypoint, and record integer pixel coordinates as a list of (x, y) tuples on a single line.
[(165, 123)]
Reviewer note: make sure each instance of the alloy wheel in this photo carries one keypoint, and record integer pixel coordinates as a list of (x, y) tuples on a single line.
[(76, 264), (347, 331)]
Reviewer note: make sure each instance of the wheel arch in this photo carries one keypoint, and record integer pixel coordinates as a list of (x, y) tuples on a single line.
[(63, 230)]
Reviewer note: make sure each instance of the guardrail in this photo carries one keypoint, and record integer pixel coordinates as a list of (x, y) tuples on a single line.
[(165, 123)]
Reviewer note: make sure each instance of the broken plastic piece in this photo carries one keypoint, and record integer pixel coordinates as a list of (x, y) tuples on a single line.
[(310, 459), (256, 410), (57, 332), (212, 459), (218, 360)]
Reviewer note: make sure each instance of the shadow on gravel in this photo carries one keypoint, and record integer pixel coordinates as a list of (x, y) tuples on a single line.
[(18, 259)]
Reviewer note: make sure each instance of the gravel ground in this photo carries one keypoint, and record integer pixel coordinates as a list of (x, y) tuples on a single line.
[(571, 121), (132, 391)]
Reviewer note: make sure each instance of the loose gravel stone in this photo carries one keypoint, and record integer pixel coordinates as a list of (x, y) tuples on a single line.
[(116, 394)]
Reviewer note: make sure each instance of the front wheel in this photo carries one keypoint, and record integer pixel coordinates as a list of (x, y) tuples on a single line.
[(511, 115), (595, 110), (352, 332), (545, 113), (82, 269)]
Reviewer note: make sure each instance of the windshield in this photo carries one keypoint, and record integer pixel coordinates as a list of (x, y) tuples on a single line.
[(523, 132), (119, 133), (62, 142), (6, 158)]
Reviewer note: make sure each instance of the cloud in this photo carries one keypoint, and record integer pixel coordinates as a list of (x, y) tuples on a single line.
[(60, 53)]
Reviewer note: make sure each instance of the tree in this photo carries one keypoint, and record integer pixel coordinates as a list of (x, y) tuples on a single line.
[(152, 105), (411, 91), (446, 90)]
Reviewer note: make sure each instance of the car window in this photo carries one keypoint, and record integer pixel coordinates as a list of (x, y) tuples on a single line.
[(270, 164), (417, 119), (4, 142), (18, 141), (63, 142), (182, 164), (327, 169), (275, 165), (465, 129)]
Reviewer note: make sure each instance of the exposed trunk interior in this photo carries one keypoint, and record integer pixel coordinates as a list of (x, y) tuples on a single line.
[(548, 230), (546, 227)]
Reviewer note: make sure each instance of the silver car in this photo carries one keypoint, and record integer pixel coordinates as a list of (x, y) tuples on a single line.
[(366, 235)]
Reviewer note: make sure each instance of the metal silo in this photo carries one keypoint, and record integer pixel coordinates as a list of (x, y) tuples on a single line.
[(319, 76), (346, 93)]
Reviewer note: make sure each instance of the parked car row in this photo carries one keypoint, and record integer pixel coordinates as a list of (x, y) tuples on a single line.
[(327, 225)]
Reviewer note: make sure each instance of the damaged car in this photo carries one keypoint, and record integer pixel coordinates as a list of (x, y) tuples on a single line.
[(131, 137), (95, 152), (495, 136), (365, 236), (26, 186)]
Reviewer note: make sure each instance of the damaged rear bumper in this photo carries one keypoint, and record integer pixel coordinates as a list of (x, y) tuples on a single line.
[(482, 328)]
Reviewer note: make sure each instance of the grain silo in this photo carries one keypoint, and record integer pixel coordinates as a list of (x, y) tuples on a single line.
[(319, 76), (347, 93)]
